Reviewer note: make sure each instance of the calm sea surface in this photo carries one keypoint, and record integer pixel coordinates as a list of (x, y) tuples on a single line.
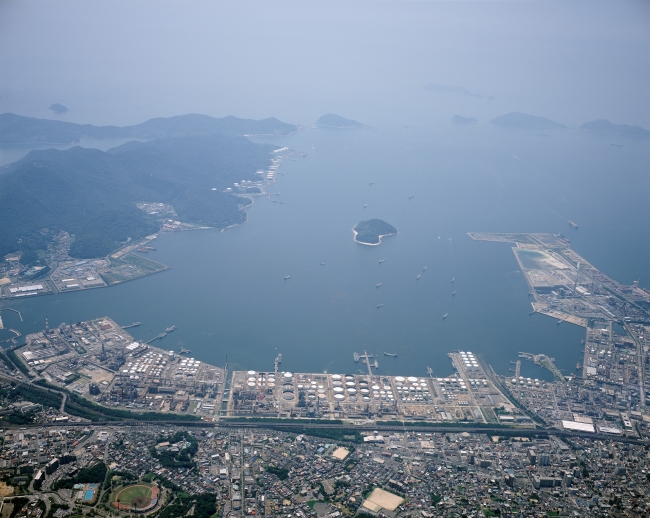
[(226, 293)]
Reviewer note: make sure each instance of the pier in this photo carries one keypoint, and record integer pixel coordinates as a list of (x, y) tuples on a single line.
[(15, 311), (159, 337), (135, 324), (366, 359), (543, 361), (15, 332)]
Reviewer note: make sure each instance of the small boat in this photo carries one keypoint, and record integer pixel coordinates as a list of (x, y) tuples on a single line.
[(381, 261), (438, 238), (453, 279), (365, 205), (445, 316), (453, 294), (418, 277), (371, 183), (170, 329), (616, 145), (573, 224), (411, 197), (287, 277), (392, 355), (378, 284), (424, 269), (322, 264), (356, 357), (380, 306)]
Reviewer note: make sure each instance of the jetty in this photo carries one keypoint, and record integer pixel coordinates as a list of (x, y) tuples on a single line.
[(543, 361), (15, 311), (135, 324), (159, 337)]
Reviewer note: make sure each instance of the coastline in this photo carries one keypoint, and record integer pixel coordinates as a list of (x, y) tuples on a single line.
[(370, 244)]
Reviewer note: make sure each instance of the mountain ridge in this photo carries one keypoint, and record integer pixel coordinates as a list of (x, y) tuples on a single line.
[(19, 129)]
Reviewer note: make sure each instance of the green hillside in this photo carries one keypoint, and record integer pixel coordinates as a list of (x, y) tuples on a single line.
[(93, 194)]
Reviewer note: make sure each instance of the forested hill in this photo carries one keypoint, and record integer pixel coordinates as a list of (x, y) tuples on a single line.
[(93, 194), (16, 129)]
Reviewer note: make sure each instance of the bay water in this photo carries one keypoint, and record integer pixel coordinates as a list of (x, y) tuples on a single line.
[(226, 291)]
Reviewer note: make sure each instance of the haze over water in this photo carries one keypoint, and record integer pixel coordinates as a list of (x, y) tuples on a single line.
[(225, 291)]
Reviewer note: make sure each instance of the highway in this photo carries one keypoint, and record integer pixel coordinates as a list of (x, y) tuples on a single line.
[(516, 432)]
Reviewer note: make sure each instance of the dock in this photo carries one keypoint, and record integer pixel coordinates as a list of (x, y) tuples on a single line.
[(135, 324), (159, 337), (16, 333), (15, 311)]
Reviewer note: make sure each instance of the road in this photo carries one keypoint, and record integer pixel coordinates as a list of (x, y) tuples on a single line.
[(405, 427), (639, 362)]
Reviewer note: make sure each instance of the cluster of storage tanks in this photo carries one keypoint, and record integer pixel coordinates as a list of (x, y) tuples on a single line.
[(312, 389), (347, 386), (469, 361), (150, 364), (458, 384), (412, 389), (260, 380), (188, 367), (528, 382)]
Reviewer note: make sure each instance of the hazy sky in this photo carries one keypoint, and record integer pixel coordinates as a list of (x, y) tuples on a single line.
[(125, 61)]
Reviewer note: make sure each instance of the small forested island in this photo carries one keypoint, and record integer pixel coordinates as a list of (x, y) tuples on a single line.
[(605, 126), (370, 232), (459, 119), (58, 108), (331, 120), (523, 120)]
